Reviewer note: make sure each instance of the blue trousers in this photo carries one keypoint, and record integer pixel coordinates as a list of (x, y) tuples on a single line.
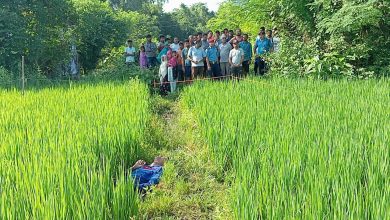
[(215, 71), (188, 72)]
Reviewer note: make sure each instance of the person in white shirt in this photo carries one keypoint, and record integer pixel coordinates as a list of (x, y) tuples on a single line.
[(175, 45), (276, 39), (163, 74), (197, 55), (236, 57), (224, 51), (130, 53)]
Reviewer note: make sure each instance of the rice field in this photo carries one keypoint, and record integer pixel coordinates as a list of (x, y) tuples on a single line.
[(299, 149), (63, 152)]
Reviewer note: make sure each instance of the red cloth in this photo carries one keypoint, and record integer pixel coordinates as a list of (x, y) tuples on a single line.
[(172, 62)]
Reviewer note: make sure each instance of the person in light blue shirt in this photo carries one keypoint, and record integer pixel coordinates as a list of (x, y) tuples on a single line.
[(212, 54), (146, 176), (247, 48), (262, 47)]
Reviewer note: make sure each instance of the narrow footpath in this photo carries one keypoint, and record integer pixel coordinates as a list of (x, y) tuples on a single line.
[(189, 188)]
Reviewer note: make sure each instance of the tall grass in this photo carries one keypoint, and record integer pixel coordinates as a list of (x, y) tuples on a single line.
[(63, 151), (299, 149)]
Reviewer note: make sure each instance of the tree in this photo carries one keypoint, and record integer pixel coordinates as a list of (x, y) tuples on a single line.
[(35, 29), (185, 20)]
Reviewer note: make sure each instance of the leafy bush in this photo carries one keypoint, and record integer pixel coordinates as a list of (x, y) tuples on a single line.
[(5, 77)]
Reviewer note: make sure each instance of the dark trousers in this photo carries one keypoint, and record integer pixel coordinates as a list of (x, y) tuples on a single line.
[(197, 71), (152, 62), (188, 73), (260, 66), (165, 87), (180, 73), (204, 74), (215, 70), (245, 67), (236, 71)]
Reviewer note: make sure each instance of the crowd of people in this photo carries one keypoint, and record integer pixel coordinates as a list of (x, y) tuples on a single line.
[(215, 55)]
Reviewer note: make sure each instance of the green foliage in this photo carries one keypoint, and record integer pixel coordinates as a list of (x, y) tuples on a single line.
[(35, 29), (185, 21), (5, 77), (349, 38), (189, 188), (301, 149), (64, 152), (98, 28)]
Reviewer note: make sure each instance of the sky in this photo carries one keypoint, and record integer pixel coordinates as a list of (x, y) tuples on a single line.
[(211, 4)]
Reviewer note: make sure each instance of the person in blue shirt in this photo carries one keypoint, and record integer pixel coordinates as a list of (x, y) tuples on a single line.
[(187, 62), (247, 48), (262, 47), (146, 176), (212, 55)]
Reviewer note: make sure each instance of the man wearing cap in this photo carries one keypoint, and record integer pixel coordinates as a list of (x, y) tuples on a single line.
[(150, 50), (224, 51), (212, 54), (197, 55), (262, 47)]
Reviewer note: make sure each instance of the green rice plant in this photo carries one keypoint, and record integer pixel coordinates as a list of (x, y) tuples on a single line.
[(299, 149), (64, 152)]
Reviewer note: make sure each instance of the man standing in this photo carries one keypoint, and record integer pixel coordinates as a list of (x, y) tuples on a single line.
[(180, 62), (236, 57), (205, 45), (197, 56), (205, 42), (217, 38), (186, 59), (130, 53), (175, 45), (238, 37), (262, 47), (268, 35), (212, 55), (247, 48), (161, 43), (150, 50), (224, 51), (199, 37), (191, 40), (230, 36), (276, 41)]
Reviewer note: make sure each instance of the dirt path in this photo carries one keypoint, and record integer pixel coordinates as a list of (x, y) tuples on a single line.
[(189, 188)]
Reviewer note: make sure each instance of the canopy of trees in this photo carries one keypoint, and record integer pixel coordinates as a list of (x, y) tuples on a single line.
[(44, 31)]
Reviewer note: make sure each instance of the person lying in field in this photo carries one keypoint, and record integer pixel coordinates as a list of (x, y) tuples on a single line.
[(146, 176)]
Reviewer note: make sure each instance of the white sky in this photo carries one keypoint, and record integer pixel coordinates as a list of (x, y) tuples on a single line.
[(211, 4)]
